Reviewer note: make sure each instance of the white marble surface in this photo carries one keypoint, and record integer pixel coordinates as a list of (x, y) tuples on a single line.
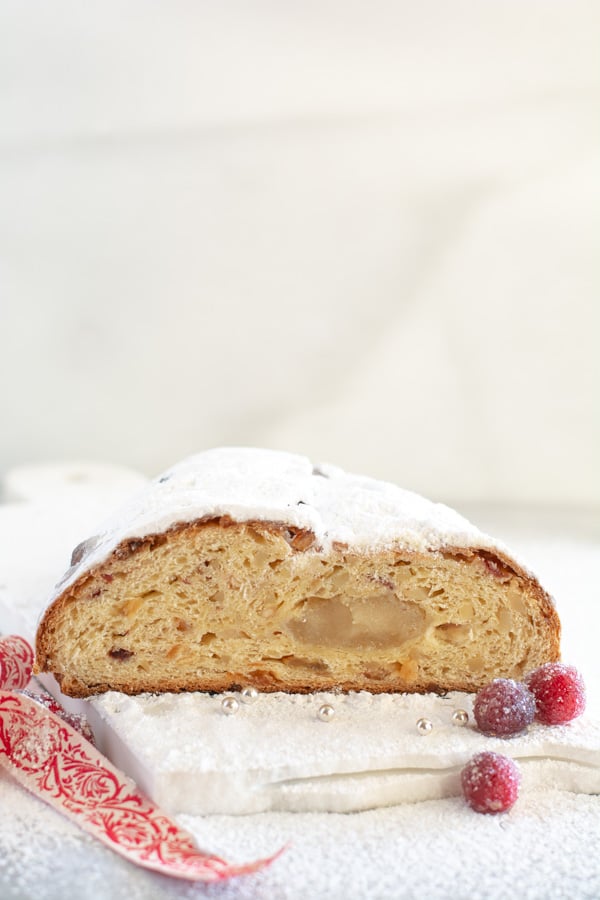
[(545, 847), (362, 231)]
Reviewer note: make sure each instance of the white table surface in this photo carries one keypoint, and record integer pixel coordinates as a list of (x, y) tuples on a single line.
[(547, 846)]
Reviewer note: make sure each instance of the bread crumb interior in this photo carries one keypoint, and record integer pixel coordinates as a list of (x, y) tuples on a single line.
[(219, 608)]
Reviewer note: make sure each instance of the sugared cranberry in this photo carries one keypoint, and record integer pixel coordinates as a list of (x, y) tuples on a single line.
[(490, 782), (559, 693), (503, 708)]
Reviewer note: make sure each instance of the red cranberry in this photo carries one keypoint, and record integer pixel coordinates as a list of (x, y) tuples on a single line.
[(559, 693), (490, 782), (504, 708)]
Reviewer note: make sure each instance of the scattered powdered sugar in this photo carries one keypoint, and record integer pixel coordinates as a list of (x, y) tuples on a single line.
[(45, 856), (546, 846), (268, 485), (276, 754)]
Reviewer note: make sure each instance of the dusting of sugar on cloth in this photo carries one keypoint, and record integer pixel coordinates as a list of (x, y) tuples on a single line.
[(275, 754), (269, 485)]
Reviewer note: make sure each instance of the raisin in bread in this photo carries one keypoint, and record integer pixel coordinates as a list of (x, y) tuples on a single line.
[(253, 567)]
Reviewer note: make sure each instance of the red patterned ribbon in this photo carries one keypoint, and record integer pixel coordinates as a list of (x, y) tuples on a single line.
[(16, 662), (48, 757)]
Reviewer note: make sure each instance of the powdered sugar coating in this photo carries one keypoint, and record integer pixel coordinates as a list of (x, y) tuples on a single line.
[(269, 485), (275, 754), (438, 849)]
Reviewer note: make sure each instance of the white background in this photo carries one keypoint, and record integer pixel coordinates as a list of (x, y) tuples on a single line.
[(362, 231)]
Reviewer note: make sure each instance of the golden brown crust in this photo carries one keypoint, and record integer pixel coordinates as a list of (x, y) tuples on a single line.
[(303, 662)]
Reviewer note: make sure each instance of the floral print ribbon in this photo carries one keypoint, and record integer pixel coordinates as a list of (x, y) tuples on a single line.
[(53, 761), (16, 662)]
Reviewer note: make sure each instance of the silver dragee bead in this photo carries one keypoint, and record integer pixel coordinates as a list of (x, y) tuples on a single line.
[(229, 705), (326, 712), (249, 695)]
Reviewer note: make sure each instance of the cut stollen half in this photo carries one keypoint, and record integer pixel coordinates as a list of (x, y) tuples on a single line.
[(244, 567)]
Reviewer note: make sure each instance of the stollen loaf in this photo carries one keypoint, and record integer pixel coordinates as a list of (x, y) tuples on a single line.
[(246, 567)]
